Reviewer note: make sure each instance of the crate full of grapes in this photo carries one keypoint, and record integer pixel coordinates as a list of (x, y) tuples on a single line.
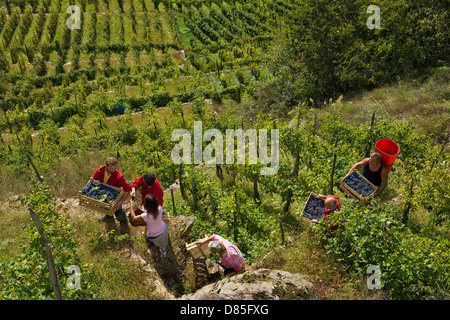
[(100, 197), (314, 208), (357, 186)]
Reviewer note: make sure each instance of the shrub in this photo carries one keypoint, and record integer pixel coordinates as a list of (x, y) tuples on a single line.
[(412, 266), (63, 113), (26, 276), (338, 53)]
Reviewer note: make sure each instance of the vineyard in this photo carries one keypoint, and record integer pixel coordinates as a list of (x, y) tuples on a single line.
[(129, 52), (137, 70)]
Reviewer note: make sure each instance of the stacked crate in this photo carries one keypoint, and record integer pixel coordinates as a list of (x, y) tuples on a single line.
[(198, 251)]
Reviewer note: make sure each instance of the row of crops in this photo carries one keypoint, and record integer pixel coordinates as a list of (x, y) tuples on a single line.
[(124, 49), (31, 34)]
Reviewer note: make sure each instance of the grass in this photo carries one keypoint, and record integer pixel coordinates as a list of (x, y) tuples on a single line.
[(330, 281), (12, 217), (423, 102)]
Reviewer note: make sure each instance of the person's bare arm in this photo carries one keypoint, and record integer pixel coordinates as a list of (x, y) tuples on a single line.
[(206, 239), (358, 165), (134, 219)]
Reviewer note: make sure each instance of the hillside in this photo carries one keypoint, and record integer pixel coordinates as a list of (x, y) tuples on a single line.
[(139, 70), (99, 244)]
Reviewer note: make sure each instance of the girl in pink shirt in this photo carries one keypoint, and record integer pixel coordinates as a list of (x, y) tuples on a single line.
[(157, 232)]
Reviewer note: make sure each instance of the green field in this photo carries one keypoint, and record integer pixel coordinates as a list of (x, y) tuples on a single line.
[(139, 44)]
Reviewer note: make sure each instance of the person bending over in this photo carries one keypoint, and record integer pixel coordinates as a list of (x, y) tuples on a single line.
[(374, 171), (231, 258)]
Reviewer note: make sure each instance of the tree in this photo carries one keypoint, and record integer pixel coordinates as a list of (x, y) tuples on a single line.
[(327, 48)]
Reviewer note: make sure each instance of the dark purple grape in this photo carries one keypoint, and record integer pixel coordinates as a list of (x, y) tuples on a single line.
[(95, 190), (314, 208), (356, 183)]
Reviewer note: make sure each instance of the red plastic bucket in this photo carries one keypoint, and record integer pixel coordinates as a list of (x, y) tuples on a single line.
[(388, 150)]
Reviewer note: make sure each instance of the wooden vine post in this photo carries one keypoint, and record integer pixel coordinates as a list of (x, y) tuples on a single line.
[(235, 216), (194, 194), (49, 256), (334, 165), (213, 205), (369, 146), (173, 202), (294, 172)]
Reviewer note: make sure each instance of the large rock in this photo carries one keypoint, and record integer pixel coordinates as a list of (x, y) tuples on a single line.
[(165, 275), (261, 284)]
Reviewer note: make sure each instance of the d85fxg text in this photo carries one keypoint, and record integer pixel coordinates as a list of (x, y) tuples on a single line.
[(246, 309)]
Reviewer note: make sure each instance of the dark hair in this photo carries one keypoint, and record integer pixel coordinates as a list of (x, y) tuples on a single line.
[(151, 205), (149, 178)]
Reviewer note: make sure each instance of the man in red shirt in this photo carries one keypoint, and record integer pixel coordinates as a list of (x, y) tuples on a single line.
[(148, 184), (109, 174)]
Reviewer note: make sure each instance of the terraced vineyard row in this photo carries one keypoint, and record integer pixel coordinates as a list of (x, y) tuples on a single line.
[(129, 47)]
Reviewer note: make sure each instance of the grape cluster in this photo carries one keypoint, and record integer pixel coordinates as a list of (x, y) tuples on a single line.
[(314, 208), (358, 184), (100, 192)]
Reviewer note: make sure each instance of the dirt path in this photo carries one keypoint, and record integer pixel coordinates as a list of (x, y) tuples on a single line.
[(168, 275)]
